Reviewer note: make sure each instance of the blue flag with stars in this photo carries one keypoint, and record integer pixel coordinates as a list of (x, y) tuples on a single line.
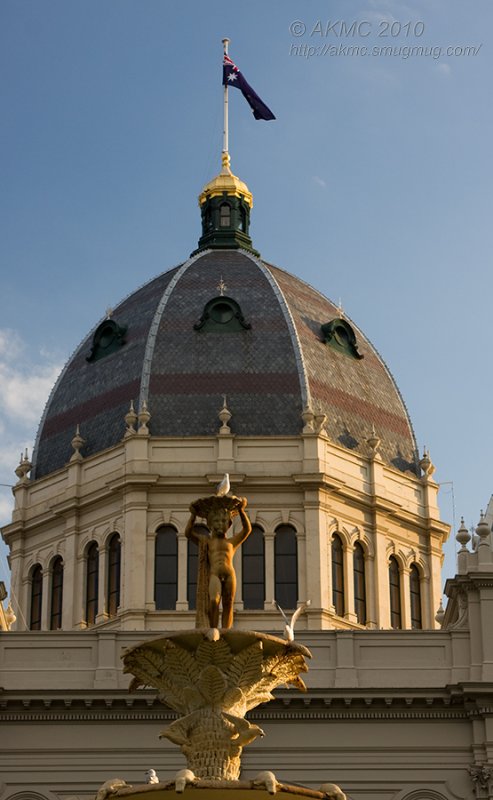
[(233, 77)]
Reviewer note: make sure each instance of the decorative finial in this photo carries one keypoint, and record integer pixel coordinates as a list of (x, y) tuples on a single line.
[(109, 312), (463, 536), (340, 309), (319, 422), (224, 415), (77, 443), (143, 418), (24, 467), (440, 615), (373, 443), (221, 287), (308, 418), (226, 163), (130, 420), (426, 464), (482, 530)]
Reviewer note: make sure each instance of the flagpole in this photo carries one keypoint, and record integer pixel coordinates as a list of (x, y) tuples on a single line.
[(225, 158)]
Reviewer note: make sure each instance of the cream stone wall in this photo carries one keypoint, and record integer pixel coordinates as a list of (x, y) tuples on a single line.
[(306, 481), (401, 715)]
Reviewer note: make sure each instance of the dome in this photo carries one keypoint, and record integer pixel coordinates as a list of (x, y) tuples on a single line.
[(225, 323)]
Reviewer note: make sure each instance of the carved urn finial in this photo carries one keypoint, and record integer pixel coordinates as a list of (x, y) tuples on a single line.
[(130, 421), (143, 418), (440, 615), (224, 415), (24, 467), (483, 529), (463, 536), (77, 444), (308, 418), (373, 443), (426, 464)]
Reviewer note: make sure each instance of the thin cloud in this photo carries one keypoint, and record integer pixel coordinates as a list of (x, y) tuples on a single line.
[(319, 181), (24, 385)]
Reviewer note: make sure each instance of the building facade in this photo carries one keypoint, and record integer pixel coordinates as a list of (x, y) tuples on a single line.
[(227, 364)]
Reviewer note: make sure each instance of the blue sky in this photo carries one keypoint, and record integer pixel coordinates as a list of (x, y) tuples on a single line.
[(374, 185)]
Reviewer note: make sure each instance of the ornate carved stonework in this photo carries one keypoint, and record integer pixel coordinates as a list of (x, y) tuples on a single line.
[(212, 679)]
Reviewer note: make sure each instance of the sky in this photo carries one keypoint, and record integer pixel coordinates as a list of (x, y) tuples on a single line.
[(373, 184)]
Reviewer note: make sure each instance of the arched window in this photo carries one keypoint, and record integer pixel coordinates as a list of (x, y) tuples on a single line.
[(415, 590), (56, 594), (286, 566), (36, 598), (114, 574), (225, 215), (395, 594), (193, 565), (92, 583), (337, 575), (166, 568), (253, 569), (359, 583)]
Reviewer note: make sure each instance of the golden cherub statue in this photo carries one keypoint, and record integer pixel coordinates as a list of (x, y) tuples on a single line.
[(216, 576)]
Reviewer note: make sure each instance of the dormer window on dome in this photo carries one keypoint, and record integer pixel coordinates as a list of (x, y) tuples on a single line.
[(108, 338), (339, 334), (222, 315)]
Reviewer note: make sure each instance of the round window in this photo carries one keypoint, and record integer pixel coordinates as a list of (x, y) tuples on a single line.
[(341, 335), (222, 313), (107, 335)]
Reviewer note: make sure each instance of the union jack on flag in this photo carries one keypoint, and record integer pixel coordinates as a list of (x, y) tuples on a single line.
[(233, 77)]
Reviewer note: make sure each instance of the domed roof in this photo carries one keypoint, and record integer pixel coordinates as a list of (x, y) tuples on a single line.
[(225, 323)]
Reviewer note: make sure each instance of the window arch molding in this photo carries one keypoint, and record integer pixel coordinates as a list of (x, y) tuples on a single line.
[(343, 534), (29, 795), (421, 794), (87, 540)]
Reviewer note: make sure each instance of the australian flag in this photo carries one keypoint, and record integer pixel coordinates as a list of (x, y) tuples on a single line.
[(233, 77)]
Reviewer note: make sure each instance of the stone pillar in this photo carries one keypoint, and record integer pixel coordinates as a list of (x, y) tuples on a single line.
[(405, 598), (269, 570), (70, 612), (182, 599), (150, 567), (302, 561), (317, 581), (102, 615), (349, 612), (135, 513), (237, 563), (382, 590), (370, 580), (46, 599)]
